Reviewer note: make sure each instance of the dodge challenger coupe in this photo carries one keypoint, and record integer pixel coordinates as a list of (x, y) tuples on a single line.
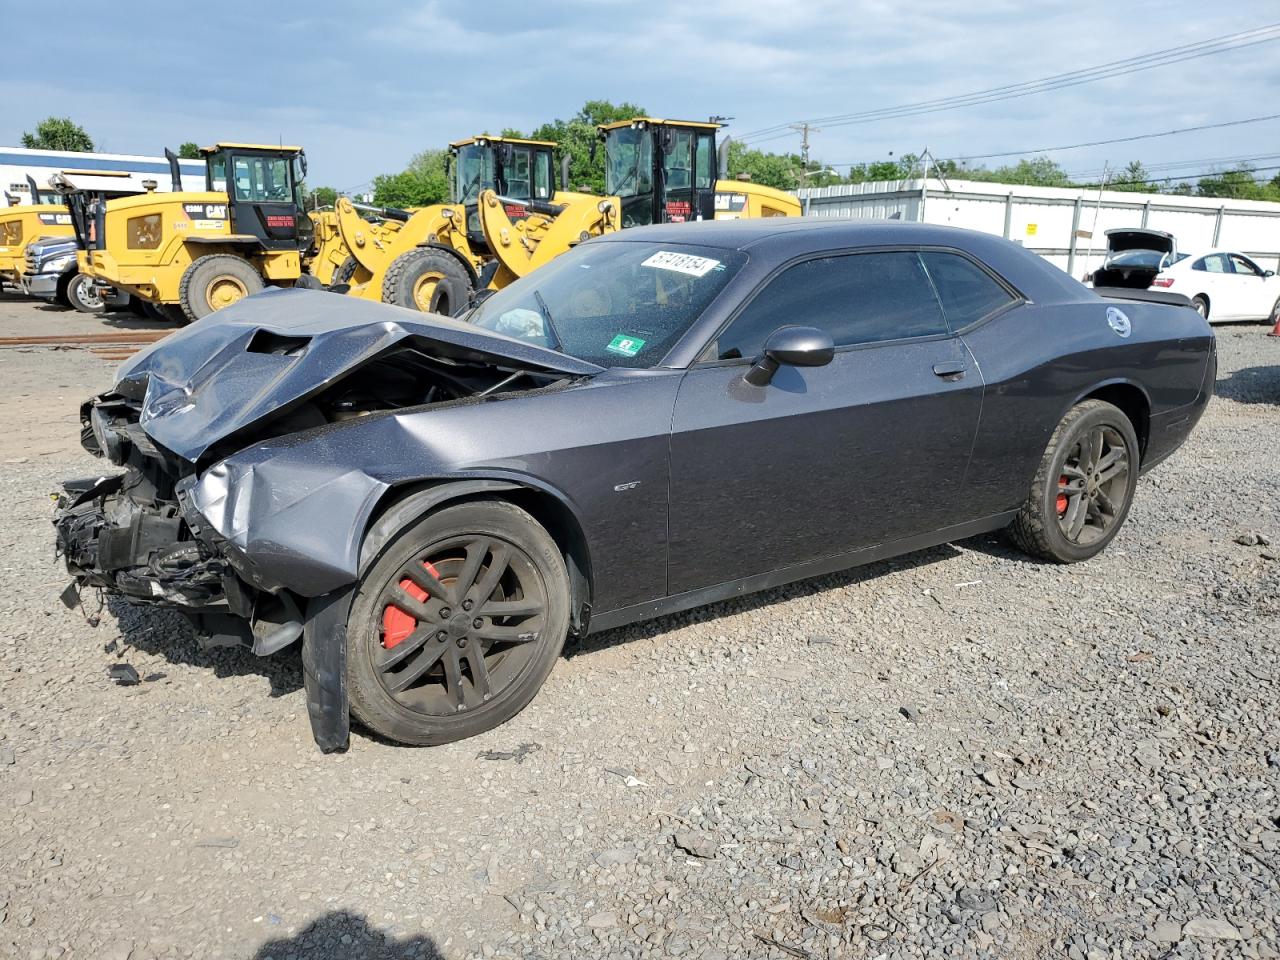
[(659, 419)]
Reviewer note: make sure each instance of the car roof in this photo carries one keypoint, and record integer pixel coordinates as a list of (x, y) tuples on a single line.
[(797, 235), (779, 239)]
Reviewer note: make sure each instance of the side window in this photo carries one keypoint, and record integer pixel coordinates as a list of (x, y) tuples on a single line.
[(1215, 263), (676, 162), (704, 163), (518, 175), (857, 298), (1243, 267), (542, 176), (968, 293)]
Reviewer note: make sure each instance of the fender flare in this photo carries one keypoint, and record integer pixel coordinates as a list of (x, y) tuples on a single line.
[(324, 633)]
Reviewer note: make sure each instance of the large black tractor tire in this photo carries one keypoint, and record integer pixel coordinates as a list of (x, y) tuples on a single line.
[(61, 295), (1084, 487), (456, 625), (428, 280), (346, 271), (217, 281), (162, 312), (82, 295)]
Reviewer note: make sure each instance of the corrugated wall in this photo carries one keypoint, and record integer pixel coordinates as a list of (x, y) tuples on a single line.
[(1066, 226)]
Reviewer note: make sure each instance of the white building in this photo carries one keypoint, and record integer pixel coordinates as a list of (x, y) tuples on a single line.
[(1065, 225), (125, 172)]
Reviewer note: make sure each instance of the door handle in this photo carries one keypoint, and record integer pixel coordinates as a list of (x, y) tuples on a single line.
[(950, 369)]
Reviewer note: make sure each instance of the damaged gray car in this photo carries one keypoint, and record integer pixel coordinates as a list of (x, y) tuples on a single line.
[(659, 419)]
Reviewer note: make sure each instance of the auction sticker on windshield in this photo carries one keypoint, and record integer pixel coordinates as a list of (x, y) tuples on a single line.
[(627, 346), (681, 263)]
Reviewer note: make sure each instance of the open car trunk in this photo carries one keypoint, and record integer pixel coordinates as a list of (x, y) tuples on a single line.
[(1134, 258)]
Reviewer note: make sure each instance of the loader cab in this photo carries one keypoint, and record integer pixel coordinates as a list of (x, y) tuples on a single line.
[(663, 171), (263, 185), (512, 167)]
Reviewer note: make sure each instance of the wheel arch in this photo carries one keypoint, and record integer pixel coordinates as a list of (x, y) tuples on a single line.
[(1131, 399), (1208, 302), (407, 503)]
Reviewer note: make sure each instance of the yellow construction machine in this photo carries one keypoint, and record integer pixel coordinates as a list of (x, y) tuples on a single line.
[(44, 216), (432, 258), (669, 171), (201, 251)]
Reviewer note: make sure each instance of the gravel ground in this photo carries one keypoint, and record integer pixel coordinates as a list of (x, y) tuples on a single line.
[(956, 753)]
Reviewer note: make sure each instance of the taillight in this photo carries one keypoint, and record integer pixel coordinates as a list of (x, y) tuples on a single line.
[(1162, 282)]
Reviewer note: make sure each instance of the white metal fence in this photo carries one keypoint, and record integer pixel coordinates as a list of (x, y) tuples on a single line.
[(1064, 225)]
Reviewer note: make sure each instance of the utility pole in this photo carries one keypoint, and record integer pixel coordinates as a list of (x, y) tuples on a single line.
[(805, 129)]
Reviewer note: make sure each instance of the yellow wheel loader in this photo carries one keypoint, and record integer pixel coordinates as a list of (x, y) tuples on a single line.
[(431, 258), (669, 171), (199, 252), (45, 216)]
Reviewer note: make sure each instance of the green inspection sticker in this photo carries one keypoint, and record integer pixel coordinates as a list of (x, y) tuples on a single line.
[(627, 346)]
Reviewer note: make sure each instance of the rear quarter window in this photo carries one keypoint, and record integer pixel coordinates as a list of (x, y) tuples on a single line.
[(967, 292)]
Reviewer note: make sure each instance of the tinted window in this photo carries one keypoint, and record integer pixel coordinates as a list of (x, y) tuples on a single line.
[(704, 162), (261, 179), (857, 298), (542, 175), (1216, 263), (968, 293)]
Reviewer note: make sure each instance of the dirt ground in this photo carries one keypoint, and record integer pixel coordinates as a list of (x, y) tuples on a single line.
[(957, 753)]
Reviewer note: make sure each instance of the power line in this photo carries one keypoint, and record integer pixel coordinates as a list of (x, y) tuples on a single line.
[(1174, 165), (1213, 46), (1089, 143)]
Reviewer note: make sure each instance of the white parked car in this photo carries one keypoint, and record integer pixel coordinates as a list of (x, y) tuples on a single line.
[(1223, 285)]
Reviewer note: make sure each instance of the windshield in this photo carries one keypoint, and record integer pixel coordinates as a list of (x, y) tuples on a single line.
[(616, 304), (475, 172), (629, 162)]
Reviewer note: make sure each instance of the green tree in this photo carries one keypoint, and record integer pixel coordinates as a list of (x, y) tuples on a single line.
[(422, 183), (1237, 184), (58, 133), (777, 170), (189, 150), (576, 136), (321, 197), (1134, 179)]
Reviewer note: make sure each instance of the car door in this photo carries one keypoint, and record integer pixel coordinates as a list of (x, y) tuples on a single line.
[(868, 449), (1253, 296), (1210, 278)]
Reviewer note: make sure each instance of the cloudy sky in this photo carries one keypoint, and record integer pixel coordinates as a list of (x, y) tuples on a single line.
[(363, 87)]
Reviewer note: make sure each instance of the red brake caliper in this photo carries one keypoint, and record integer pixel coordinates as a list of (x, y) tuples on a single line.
[(396, 624), (1062, 497)]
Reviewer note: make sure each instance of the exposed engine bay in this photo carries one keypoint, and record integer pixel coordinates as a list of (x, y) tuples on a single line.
[(141, 533)]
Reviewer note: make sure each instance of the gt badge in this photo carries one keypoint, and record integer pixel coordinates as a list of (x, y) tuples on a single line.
[(1119, 322)]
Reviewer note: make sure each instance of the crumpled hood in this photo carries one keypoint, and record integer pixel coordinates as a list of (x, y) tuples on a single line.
[(242, 364)]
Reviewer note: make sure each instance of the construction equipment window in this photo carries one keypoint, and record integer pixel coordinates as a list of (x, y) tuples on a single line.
[(542, 176), (704, 162), (218, 173), (261, 179), (679, 159), (475, 173), (629, 170), (298, 175), (518, 173)]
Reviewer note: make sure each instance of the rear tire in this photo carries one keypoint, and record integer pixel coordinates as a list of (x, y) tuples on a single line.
[(61, 295), (1081, 494), (345, 272), (82, 296), (1274, 318), (462, 667), (162, 312), (217, 281), (1201, 306), (428, 280)]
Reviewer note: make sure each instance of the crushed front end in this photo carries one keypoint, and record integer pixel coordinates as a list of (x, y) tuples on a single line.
[(134, 534)]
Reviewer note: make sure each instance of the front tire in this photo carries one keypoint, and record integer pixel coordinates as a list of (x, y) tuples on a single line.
[(83, 296), (217, 281), (61, 295), (1082, 492), (428, 280), (457, 624)]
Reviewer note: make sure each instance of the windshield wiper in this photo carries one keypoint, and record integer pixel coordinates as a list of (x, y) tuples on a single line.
[(551, 324)]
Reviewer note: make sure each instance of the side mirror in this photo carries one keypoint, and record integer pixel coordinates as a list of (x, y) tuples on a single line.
[(1268, 273), (794, 346)]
